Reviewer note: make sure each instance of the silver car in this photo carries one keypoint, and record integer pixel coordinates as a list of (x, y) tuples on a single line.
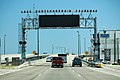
[(48, 59)]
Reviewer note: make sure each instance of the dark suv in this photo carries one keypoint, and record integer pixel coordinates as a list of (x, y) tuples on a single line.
[(77, 61)]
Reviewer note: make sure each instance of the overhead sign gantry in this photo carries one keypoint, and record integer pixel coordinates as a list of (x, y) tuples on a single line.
[(53, 19)]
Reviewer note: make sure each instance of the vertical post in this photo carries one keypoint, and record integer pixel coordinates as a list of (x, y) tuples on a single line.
[(118, 48), (0, 59), (23, 45), (64, 50), (98, 36), (95, 58), (68, 50), (33, 20), (105, 45), (0, 44), (84, 44), (38, 41), (61, 49), (52, 48), (90, 43), (78, 43), (4, 44), (23, 55), (114, 46), (0, 50)]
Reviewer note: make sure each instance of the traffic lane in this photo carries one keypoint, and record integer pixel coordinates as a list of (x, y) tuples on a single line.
[(45, 72), (26, 74), (59, 74), (107, 70), (89, 74)]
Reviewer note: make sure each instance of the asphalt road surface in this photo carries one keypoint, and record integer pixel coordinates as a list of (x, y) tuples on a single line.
[(45, 72)]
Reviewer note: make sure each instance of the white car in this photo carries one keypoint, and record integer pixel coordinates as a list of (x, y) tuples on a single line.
[(48, 59)]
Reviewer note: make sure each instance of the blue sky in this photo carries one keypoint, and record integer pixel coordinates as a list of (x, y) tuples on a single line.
[(107, 17)]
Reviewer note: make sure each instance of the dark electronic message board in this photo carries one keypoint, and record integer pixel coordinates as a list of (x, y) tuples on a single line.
[(58, 21)]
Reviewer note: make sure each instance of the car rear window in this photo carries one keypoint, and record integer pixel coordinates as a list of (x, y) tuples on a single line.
[(77, 59), (57, 58)]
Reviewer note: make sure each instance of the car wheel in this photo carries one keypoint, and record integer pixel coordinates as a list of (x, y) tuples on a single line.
[(52, 66), (73, 65), (80, 65)]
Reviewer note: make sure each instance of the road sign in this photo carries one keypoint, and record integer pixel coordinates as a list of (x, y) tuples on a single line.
[(34, 52), (58, 21), (104, 35), (86, 52)]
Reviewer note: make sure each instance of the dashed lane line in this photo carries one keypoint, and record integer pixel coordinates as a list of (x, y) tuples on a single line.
[(40, 74)]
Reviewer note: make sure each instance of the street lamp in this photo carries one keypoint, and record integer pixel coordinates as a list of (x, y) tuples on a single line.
[(118, 49), (0, 50), (38, 41), (4, 44), (114, 46), (0, 44), (52, 48), (84, 44), (79, 47)]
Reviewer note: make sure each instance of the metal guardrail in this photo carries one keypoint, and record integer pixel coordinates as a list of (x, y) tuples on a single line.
[(93, 64), (36, 57), (90, 63), (4, 62)]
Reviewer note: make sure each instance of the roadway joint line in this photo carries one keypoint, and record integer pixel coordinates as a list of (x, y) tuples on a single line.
[(40, 74), (79, 75), (104, 71), (76, 72)]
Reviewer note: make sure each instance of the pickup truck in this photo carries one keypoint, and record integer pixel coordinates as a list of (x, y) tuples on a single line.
[(57, 61)]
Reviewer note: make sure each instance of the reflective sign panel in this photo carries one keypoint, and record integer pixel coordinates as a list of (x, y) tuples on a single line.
[(58, 21), (104, 35)]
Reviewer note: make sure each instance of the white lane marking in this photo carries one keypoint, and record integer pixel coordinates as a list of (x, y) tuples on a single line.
[(79, 75), (8, 71), (43, 72), (39, 74), (104, 71), (75, 72)]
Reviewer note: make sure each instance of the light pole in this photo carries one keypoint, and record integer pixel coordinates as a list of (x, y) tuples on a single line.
[(78, 43), (38, 41), (114, 46), (84, 44), (4, 44), (0, 44), (0, 50), (118, 48), (52, 48)]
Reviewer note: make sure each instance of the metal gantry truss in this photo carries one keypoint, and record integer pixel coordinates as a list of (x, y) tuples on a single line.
[(28, 23)]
